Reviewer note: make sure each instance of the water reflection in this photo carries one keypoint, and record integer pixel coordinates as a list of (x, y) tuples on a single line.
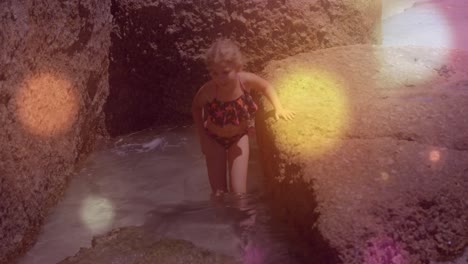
[(210, 224)]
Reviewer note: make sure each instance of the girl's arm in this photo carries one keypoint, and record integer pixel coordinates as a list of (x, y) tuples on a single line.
[(259, 84)]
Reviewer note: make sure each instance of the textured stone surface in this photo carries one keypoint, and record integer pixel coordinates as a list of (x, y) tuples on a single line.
[(156, 64), (134, 245), (375, 166), (53, 83)]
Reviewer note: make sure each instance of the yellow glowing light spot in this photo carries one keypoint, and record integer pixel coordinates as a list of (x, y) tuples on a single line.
[(46, 104), (318, 98), (384, 176), (97, 213), (434, 156)]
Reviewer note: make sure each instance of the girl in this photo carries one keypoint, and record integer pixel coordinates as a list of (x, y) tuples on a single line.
[(222, 110)]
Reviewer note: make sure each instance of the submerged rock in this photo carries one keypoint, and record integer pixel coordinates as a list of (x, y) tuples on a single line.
[(132, 245), (374, 168)]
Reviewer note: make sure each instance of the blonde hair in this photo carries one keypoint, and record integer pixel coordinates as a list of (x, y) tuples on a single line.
[(224, 51)]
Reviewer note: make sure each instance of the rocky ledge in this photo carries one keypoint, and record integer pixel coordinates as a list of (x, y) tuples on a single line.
[(374, 169)]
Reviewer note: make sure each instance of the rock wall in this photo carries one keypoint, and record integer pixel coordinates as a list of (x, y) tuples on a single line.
[(156, 65), (374, 169), (53, 83)]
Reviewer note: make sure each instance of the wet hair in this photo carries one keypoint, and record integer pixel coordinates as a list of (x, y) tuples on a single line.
[(224, 51)]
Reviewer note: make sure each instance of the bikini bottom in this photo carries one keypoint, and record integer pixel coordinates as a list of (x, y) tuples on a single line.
[(226, 142)]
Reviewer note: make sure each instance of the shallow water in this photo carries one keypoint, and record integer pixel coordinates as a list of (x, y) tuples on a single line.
[(157, 179)]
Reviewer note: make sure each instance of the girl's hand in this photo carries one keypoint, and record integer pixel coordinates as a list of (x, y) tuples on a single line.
[(284, 114)]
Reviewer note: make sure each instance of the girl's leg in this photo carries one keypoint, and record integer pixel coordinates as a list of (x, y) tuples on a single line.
[(215, 156), (238, 160)]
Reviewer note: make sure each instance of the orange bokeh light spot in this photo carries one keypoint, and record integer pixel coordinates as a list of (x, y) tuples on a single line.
[(47, 104), (434, 156)]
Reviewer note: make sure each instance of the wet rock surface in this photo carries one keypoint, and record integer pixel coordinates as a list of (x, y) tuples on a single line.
[(53, 83), (374, 168), (134, 245), (157, 47)]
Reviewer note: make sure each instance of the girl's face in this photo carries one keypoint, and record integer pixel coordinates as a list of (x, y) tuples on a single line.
[(223, 74)]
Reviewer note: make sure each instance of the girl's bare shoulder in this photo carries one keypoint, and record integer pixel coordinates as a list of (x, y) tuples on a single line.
[(249, 80), (206, 92)]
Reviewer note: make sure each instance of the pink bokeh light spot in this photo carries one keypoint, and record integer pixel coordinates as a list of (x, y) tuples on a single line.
[(383, 250)]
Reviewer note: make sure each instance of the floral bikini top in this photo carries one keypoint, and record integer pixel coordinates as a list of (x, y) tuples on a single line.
[(231, 112)]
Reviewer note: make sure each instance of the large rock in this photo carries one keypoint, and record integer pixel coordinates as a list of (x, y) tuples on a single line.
[(157, 46), (53, 83), (374, 169)]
